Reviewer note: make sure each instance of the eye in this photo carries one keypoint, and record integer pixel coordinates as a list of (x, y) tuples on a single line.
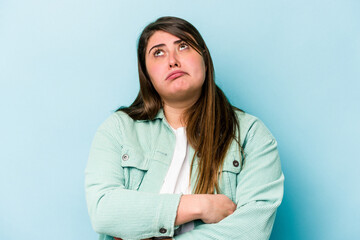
[(158, 52), (183, 45)]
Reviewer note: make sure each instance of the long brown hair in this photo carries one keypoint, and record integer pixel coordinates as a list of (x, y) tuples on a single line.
[(211, 123)]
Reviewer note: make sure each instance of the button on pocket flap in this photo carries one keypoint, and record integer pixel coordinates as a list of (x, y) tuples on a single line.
[(232, 162), (131, 157)]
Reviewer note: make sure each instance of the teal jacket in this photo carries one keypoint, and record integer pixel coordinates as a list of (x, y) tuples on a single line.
[(129, 160)]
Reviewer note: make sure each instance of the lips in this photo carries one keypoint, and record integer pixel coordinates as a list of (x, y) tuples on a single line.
[(175, 74)]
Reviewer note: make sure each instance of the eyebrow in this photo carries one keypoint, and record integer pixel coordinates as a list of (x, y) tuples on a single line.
[(162, 44)]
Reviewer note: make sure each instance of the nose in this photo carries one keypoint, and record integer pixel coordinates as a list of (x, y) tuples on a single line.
[(173, 60)]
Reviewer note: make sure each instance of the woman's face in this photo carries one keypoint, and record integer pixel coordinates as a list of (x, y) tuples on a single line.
[(176, 70)]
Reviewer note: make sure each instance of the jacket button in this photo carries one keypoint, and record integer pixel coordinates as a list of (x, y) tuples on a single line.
[(125, 157), (235, 163), (162, 230)]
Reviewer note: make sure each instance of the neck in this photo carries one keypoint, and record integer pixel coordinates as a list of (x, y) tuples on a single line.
[(175, 113)]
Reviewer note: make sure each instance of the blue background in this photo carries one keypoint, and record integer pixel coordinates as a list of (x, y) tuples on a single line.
[(67, 65)]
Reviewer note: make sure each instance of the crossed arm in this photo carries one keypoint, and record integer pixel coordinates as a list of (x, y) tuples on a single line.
[(259, 193)]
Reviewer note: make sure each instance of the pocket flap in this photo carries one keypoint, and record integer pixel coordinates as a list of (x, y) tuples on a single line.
[(131, 157), (232, 162)]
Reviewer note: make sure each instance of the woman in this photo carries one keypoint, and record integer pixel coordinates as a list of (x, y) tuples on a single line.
[(181, 162)]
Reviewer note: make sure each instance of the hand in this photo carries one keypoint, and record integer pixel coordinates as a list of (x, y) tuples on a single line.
[(216, 207)]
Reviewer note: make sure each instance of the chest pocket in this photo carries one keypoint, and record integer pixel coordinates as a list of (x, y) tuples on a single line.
[(230, 171), (135, 165)]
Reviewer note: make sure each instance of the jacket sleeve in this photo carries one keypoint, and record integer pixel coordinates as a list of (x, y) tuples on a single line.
[(259, 192), (114, 210)]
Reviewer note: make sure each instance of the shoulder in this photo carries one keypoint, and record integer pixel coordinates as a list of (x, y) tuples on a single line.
[(116, 119), (116, 123), (252, 128), (120, 124)]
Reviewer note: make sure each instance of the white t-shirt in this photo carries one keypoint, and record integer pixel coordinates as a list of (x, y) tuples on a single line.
[(177, 177)]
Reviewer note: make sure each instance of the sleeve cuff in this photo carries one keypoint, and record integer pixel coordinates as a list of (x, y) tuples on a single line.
[(166, 215)]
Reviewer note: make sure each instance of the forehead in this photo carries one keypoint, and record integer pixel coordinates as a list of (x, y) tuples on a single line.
[(161, 37)]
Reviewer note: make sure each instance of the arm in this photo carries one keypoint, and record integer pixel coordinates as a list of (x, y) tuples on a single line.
[(259, 193), (117, 211), (209, 208)]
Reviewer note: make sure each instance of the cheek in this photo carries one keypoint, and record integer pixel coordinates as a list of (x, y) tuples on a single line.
[(154, 71), (199, 68)]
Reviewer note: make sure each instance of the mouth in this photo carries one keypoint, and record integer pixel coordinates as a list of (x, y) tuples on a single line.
[(175, 74)]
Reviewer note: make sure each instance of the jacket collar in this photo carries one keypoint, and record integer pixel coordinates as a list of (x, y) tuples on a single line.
[(159, 115)]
